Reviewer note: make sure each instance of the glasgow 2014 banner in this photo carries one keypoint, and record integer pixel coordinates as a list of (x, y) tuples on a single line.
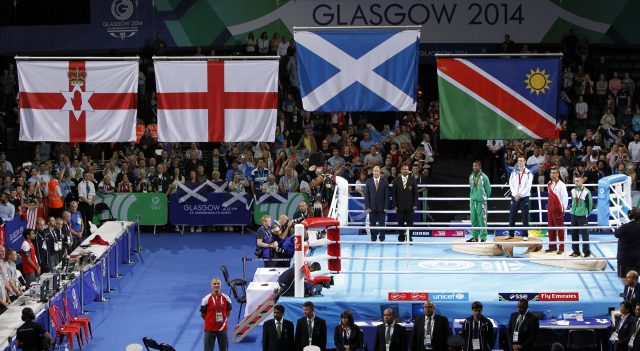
[(211, 209), (277, 204), (121, 24)]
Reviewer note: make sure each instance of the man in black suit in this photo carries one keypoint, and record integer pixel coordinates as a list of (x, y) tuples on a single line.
[(431, 331), (390, 333), (310, 329), (277, 333), (636, 333), (523, 328), (624, 328), (405, 200), (631, 291), (376, 198)]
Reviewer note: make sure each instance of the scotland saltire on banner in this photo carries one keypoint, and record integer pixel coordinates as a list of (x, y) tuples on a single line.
[(78, 101), (498, 98), (358, 70)]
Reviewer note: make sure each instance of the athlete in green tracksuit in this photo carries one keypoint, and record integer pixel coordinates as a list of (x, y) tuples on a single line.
[(479, 194)]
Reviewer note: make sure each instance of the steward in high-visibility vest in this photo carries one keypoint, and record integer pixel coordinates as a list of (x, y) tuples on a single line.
[(54, 196)]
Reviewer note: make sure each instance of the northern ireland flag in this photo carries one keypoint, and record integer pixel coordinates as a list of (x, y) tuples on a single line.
[(358, 70), (78, 101), (498, 98), (217, 101)]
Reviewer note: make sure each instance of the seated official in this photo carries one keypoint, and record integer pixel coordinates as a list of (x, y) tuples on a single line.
[(347, 336), (286, 279), (631, 291), (32, 336), (624, 329)]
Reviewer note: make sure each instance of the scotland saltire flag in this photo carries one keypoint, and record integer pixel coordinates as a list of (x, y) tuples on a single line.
[(358, 70)]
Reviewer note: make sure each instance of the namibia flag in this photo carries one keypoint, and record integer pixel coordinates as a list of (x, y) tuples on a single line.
[(498, 98)]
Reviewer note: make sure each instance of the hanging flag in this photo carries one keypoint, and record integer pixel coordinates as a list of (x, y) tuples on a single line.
[(498, 98), (78, 101), (358, 70), (217, 101)]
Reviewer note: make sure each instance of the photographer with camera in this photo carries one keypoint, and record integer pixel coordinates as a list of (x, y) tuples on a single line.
[(266, 242)]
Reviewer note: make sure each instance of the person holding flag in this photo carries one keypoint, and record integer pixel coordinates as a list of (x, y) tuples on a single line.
[(581, 207), (557, 203), (480, 190)]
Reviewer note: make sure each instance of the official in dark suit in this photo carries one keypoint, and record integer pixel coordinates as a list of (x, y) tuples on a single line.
[(376, 198), (631, 291), (390, 333), (347, 336), (624, 328), (523, 328), (317, 325), (628, 254), (636, 339), (405, 200), (431, 331), (277, 333)]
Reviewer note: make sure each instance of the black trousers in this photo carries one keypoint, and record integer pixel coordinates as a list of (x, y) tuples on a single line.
[(579, 221), (377, 219), (87, 215), (521, 206), (405, 219)]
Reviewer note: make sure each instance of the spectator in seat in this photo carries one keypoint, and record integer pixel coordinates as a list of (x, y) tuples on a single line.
[(270, 186), (7, 209)]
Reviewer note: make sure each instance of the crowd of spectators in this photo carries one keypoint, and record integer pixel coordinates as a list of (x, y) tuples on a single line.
[(345, 144)]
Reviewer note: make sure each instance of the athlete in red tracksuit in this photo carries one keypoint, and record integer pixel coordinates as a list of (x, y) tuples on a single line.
[(557, 204)]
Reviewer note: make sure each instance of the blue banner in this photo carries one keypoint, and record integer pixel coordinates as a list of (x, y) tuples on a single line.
[(218, 209), (13, 233), (91, 280), (73, 297)]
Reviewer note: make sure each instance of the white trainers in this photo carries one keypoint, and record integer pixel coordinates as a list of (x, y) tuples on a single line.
[(526, 238)]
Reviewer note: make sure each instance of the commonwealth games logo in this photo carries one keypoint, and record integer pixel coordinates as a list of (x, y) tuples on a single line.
[(123, 23)]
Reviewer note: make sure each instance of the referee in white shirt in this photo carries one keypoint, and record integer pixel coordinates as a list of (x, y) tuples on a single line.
[(520, 185)]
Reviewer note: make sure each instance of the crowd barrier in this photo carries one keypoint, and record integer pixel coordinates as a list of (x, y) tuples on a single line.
[(200, 204), (151, 207)]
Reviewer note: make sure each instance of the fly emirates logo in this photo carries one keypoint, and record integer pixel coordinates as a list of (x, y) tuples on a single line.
[(559, 296)]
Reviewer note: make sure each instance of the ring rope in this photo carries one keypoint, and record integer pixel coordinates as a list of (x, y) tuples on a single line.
[(477, 228), (506, 243), (468, 272)]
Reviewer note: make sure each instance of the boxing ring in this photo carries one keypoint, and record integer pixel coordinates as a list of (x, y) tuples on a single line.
[(453, 273)]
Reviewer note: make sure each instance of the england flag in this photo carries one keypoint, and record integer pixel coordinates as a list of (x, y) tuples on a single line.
[(358, 70)]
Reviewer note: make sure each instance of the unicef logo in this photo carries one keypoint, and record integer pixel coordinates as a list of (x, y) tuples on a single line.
[(122, 9), (74, 297), (446, 265), (93, 280)]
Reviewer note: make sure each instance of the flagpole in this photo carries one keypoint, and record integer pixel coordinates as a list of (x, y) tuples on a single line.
[(82, 58), (198, 58), (356, 27), (550, 54)]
